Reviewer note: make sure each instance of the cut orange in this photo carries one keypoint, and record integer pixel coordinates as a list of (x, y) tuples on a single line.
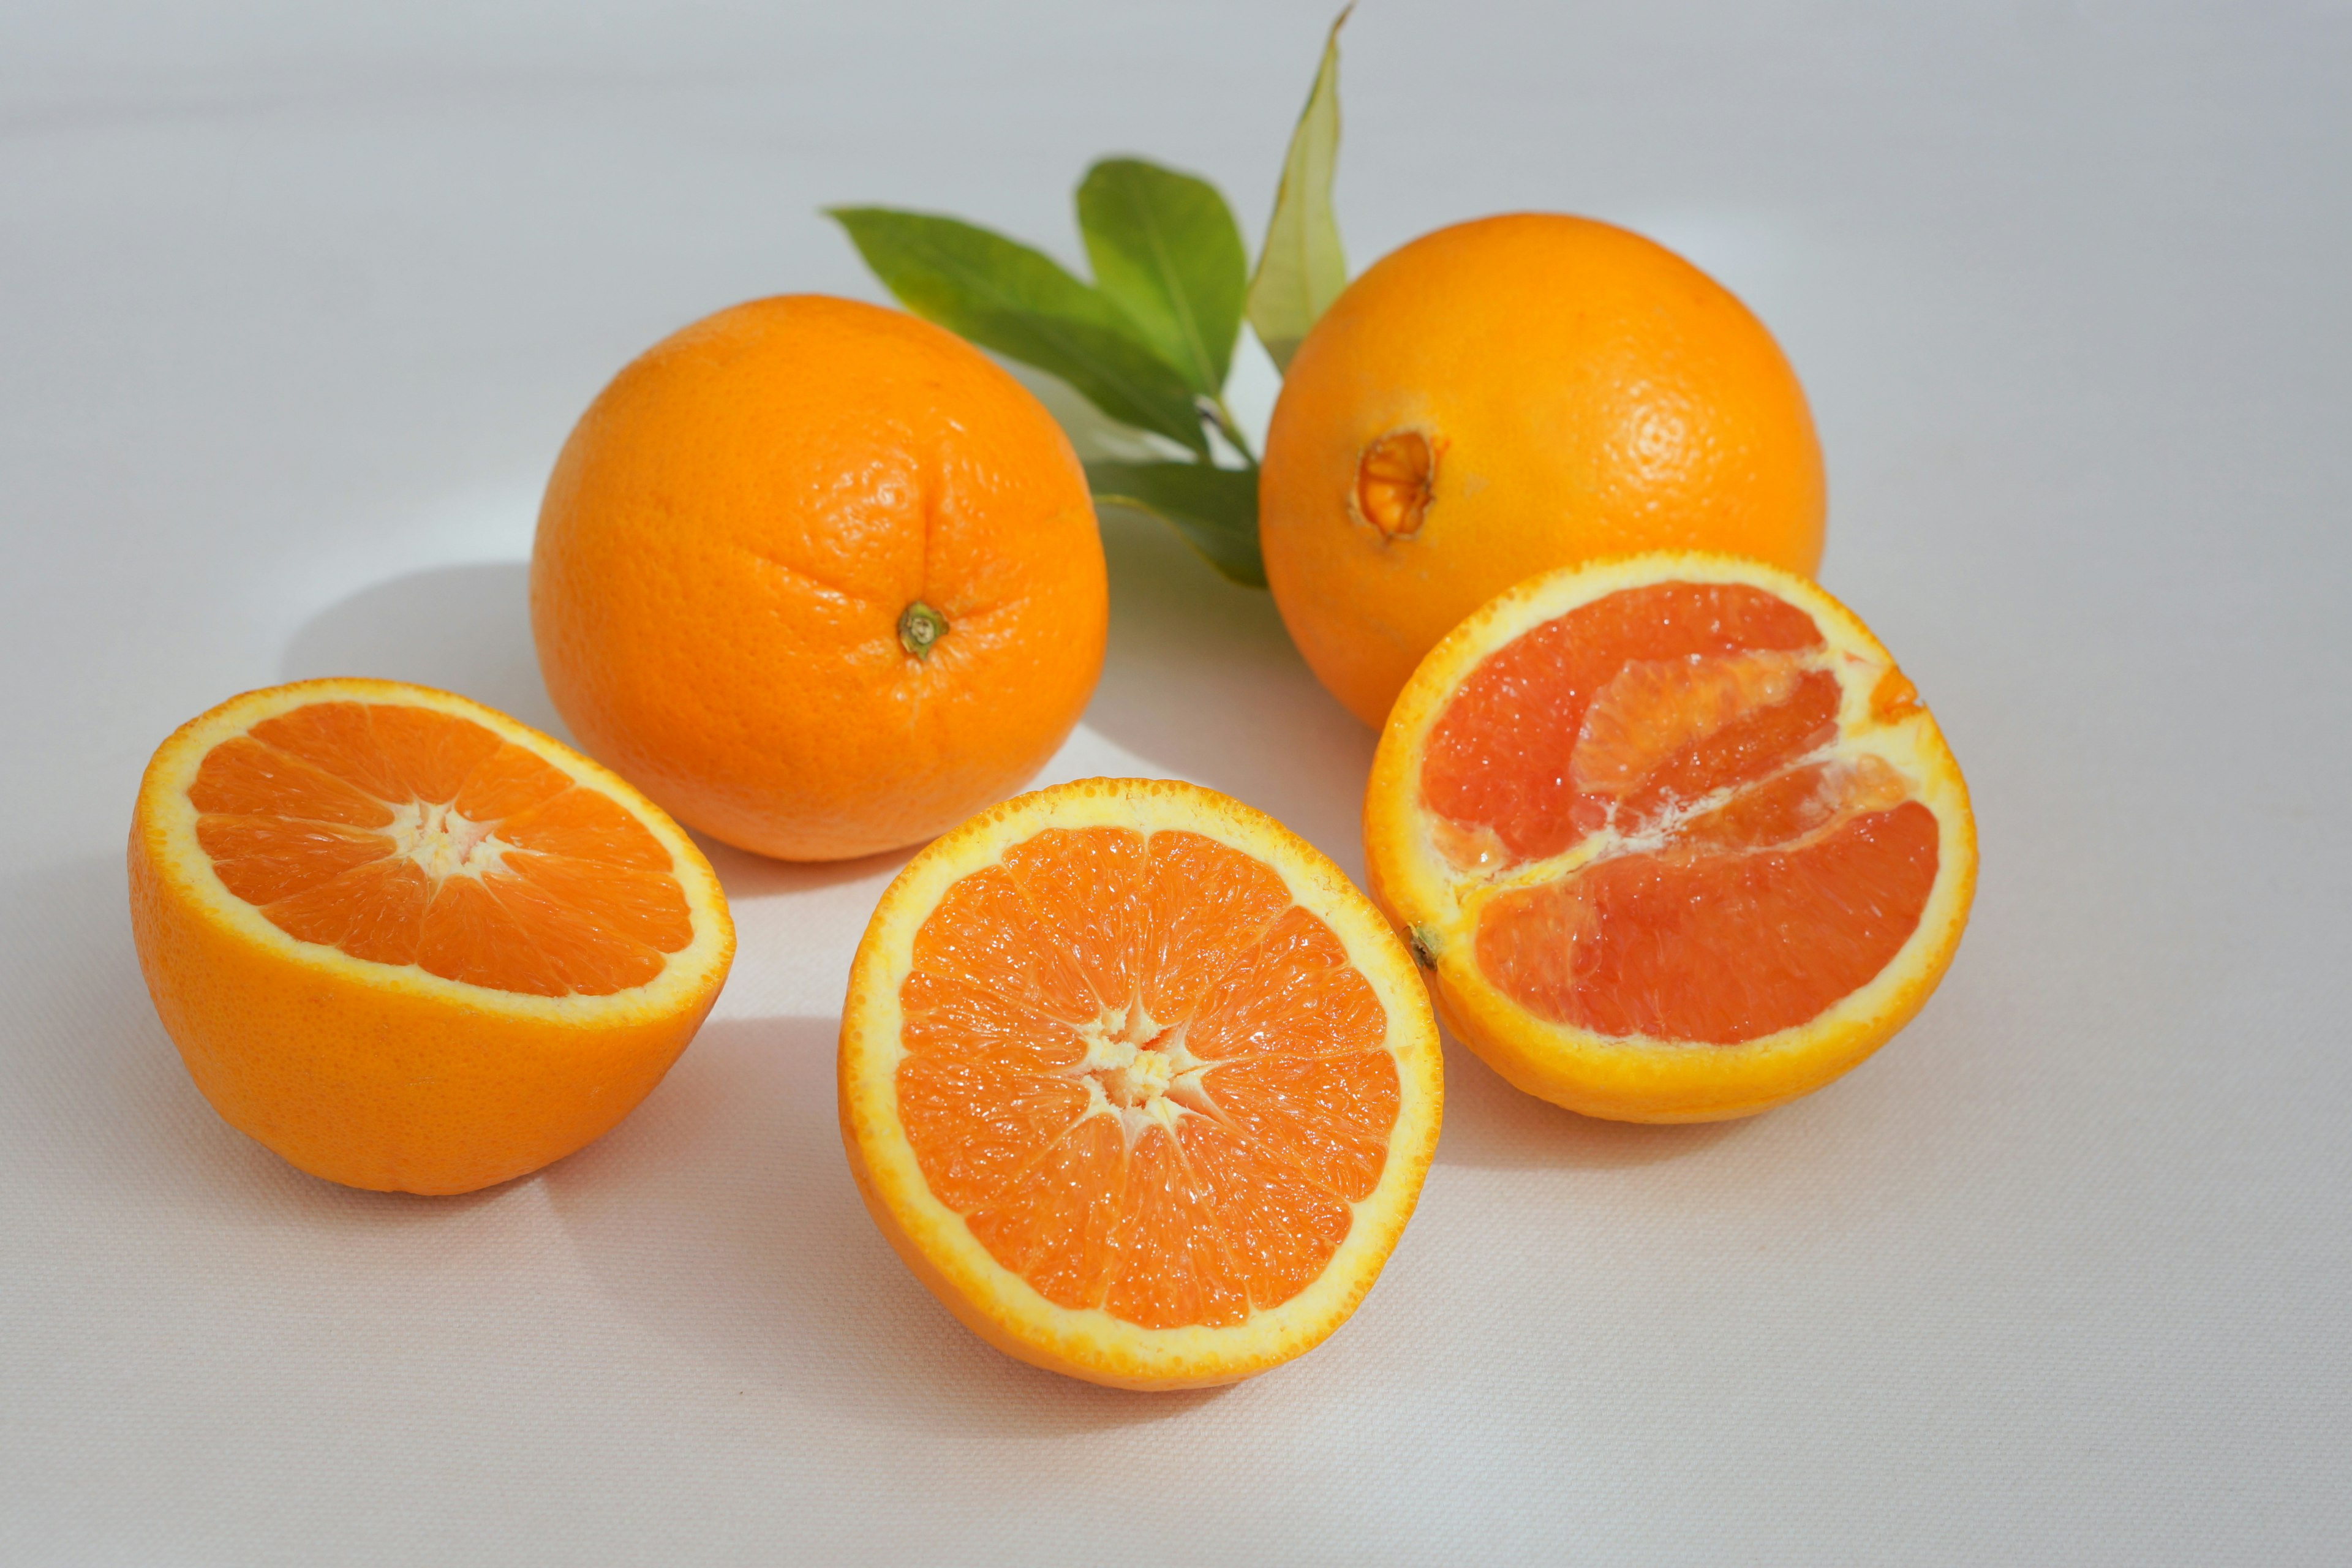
[(409, 943), (1137, 1083), (1672, 834)]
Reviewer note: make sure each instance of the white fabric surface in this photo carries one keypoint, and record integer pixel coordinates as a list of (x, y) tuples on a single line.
[(297, 302)]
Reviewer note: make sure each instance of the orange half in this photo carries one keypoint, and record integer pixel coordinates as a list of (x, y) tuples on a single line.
[(408, 942), (1137, 1083), (1672, 834)]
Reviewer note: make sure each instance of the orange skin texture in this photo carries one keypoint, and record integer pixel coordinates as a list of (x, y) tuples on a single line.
[(731, 535), (352, 1072), (1584, 392), (377, 1090)]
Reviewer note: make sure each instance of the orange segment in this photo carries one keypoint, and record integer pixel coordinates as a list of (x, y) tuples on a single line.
[(408, 942), (1718, 947), (375, 912), (1674, 835), (242, 777), (1493, 768), (262, 860), (1137, 1082)]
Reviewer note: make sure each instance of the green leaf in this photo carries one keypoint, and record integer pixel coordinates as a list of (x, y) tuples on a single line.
[(1166, 251), (1302, 269), (1005, 296), (1214, 509)]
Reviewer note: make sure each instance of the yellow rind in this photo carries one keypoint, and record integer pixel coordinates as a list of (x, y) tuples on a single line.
[(1634, 1077), (940, 1249), (382, 1076)]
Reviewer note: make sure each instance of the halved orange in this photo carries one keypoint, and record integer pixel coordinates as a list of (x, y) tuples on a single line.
[(409, 943), (1672, 835), (1137, 1082)]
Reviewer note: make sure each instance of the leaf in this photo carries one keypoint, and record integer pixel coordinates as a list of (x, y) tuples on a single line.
[(1302, 269), (1214, 509), (1005, 296), (1167, 252)]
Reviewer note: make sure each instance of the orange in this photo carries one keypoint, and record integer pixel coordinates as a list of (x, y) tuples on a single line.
[(1503, 397), (819, 577), (409, 943), (1674, 836), (1137, 1082)]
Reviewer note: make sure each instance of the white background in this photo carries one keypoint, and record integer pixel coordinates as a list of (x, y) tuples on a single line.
[(296, 302)]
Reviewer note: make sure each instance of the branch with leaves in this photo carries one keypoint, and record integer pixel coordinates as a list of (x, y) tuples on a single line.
[(1151, 340)]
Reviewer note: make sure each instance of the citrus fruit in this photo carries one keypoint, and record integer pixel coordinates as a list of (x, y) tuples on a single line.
[(1508, 396), (819, 577), (409, 943), (1137, 1082), (1674, 836)]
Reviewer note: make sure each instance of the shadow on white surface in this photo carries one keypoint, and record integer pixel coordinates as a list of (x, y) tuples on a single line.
[(748, 876), (1201, 679), (99, 1088), (461, 628), (1489, 1124), (722, 1215)]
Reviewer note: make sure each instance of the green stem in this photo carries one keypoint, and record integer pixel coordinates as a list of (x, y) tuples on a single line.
[(1228, 426)]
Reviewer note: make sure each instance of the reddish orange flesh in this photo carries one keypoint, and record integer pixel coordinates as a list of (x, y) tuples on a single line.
[(1192, 1200), (1755, 875), (1719, 948), (405, 836)]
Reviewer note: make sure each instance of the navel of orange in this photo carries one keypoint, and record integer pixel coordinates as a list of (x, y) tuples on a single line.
[(1509, 395)]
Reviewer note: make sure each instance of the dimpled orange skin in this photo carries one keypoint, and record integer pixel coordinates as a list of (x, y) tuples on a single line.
[(732, 536), (1578, 392)]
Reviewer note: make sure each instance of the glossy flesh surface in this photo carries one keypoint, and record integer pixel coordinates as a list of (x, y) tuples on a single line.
[(1148, 1080), (405, 836)]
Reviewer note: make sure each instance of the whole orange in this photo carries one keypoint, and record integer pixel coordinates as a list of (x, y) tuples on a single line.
[(818, 577), (1506, 396)]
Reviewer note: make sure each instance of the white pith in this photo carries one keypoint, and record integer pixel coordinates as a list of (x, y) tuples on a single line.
[(444, 842), (1139, 1073)]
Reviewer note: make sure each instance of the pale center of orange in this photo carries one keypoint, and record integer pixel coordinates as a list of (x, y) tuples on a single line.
[(1138, 1072), (444, 842)]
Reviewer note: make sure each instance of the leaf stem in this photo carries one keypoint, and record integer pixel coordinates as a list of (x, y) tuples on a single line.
[(1214, 409)]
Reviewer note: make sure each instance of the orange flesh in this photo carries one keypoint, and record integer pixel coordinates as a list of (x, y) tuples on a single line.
[(1752, 875), (1148, 1081), (408, 836)]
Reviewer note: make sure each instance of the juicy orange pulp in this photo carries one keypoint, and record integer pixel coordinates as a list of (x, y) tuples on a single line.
[(1723, 874), (1149, 1081), (405, 836)]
